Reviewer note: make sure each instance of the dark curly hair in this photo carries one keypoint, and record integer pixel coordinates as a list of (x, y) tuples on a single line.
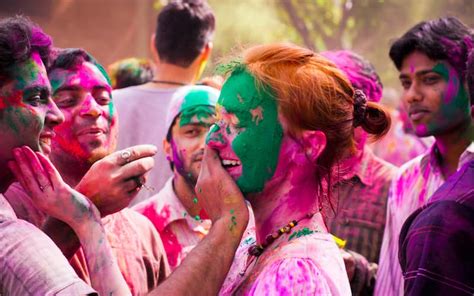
[(440, 39), (71, 58), (19, 38)]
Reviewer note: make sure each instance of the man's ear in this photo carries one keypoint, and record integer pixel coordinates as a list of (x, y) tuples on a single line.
[(153, 50), (206, 51), (314, 143), (167, 149)]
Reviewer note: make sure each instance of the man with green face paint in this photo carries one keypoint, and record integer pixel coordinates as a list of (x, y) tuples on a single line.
[(175, 210), (431, 58), (254, 154)]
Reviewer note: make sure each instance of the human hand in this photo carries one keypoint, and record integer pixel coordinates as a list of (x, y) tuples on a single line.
[(112, 182), (219, 194), (48, 191), (349, 262)]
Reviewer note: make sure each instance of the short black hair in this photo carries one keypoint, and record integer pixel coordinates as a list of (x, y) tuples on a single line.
[(71, 58), (470, 76), (19, 38), (445, 38), (183, 28)]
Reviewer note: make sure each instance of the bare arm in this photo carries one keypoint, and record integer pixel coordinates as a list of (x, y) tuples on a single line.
[(52, 195), (204, 269), (111, 183)]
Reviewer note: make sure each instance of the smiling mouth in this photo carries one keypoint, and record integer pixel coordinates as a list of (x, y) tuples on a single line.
[(227, 163), (45, 140)]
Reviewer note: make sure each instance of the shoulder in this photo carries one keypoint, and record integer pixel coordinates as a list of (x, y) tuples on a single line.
[(429, 232), (32, 262), (291, 276)]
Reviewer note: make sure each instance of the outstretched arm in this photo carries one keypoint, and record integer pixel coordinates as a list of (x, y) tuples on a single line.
[(204, 269), (53, 196)]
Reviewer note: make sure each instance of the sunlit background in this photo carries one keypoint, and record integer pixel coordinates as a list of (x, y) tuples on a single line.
[(115, 29)]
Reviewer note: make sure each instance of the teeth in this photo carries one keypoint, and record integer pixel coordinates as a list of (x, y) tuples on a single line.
[(230, 162)]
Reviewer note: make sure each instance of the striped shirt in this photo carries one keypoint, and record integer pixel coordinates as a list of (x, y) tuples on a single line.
[(30, 262), (415, 183)]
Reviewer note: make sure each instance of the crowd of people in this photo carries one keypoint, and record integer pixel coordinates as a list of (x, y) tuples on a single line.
[(281, 175)]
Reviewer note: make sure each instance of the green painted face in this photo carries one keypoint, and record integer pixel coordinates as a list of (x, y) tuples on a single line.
[(248, 121)]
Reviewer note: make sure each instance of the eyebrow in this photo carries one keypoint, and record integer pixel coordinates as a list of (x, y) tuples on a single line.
[(37, 89), (78, 88), (418, 73)]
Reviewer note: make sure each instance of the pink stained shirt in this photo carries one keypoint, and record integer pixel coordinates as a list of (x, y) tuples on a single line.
[(134, 242), (179, 231), (30, 262), (412, 188), (307, 265)]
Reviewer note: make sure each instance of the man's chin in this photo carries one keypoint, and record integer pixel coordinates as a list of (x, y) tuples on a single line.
[(98, 154), (45, 149)]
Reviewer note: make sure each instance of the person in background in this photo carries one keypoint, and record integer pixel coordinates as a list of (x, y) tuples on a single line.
[(359, 215), (431, 59), (175, 211), (130, 72), (435, 241), (181, 47)]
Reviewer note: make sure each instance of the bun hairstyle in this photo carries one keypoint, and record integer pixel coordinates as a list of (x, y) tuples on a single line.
[(372, 117), (313, 94)]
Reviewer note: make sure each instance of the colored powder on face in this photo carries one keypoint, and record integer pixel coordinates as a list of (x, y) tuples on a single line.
[(201, 113), (111, 112), (258, 143), (455, 99), (214, 136), (195, 200)]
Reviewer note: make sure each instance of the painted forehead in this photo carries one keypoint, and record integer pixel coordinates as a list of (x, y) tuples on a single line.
[(240, 93), (86, 76), (30, 73)]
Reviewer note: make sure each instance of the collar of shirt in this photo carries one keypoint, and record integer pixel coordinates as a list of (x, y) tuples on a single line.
[(430, 159), (363, 169), (170, 208)]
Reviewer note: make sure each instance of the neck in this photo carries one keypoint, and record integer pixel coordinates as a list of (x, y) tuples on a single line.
[(172, 73), (71, 170), (452, 145), (186, 195), (289, 195)]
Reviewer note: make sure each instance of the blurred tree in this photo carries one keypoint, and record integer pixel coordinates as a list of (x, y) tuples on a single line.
[(365, 26)]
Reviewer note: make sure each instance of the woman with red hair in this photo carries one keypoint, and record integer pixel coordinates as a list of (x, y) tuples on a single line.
[(286, 116)]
